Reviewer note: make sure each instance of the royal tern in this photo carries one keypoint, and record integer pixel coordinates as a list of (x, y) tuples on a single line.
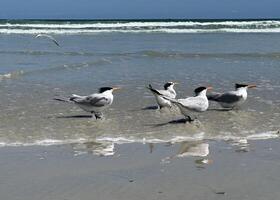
[(168, 91), (231, 99), (49, 37), (198, 103), (94, 103)]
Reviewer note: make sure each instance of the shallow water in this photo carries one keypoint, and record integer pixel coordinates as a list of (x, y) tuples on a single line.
[(33, 71)]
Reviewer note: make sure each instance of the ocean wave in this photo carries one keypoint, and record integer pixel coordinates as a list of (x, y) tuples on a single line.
[(196, 137), (68, 25), (270, 26), (125, 140), (11, 75), (105, 146), (157, 30), (145, 53)]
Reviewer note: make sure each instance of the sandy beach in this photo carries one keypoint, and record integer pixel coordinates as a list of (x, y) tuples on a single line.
[(142, 171)]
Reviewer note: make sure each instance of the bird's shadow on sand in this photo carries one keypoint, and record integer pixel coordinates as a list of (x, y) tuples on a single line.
[(176, 121), (150, 108), (74, 116), (145, 108), (219, 109)]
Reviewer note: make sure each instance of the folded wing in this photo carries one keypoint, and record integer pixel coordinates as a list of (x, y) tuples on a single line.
[(228, 98), (94, 100)]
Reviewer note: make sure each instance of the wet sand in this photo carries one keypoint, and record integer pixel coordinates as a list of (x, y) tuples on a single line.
[(142, 171)]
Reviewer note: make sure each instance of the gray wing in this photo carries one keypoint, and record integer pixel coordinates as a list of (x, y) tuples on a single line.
[(91, 101), (228, 98), (192, 103), (49, 37), (213, 96)]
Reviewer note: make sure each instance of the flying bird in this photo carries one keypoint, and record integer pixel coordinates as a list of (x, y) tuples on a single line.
[(197, 103), (49, 37), (168, 91), (231, 99), (94, 103)]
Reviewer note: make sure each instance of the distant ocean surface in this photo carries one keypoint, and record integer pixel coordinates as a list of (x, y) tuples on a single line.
[(141, 26), (133, 54)]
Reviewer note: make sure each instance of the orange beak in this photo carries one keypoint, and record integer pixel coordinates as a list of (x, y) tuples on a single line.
[(116, 88), (209, 88), (252, 86)]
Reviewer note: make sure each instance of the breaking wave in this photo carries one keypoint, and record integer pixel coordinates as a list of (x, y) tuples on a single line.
[(95, 27), (125, 140), (11, 75)]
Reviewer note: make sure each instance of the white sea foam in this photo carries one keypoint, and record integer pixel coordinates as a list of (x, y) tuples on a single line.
[(158, 30), (124, 140), (141, 27), (196, 137), (175, 139), (43, 142), (142, 24), (263, 136), (11, 74)]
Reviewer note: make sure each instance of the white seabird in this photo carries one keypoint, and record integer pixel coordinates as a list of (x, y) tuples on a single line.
[(168, 91), (49, 37), (231, 99), (198, 103), (94, 103)]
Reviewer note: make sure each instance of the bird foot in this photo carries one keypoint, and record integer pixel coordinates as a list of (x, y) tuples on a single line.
[(190, 120), (98, 116)]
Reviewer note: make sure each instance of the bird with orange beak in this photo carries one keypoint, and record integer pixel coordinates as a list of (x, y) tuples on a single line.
[(94, 103), (232, 99)]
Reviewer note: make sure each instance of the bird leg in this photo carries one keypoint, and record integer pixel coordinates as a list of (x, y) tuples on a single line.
[(189, 119), (93, 115), (235, 108), (98, 115)]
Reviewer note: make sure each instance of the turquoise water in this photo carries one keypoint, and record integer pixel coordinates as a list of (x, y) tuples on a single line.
[(132, 54)]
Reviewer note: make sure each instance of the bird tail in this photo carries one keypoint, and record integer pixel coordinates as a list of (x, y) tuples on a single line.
[(70, 99), (62, 99), (154, 91), (213, 96)]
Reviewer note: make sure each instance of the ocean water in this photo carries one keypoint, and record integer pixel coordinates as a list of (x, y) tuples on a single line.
[(133, 54)]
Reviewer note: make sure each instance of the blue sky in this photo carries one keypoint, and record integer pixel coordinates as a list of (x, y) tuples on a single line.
[(135, 9)]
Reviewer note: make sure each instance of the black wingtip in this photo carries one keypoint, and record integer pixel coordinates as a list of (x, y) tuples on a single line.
[(149, 87), (153, 90), (56, 43)]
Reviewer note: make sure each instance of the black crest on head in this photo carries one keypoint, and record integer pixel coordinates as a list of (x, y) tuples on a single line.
[(167, 85), (199, 89), (103, 89), (238, 85)]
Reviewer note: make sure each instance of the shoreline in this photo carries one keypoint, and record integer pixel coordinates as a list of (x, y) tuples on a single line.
[(142, 171)]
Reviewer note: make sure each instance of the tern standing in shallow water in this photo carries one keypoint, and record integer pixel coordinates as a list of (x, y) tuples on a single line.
[(168, 92), (94, 103), (198, 103), (231, 99)]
